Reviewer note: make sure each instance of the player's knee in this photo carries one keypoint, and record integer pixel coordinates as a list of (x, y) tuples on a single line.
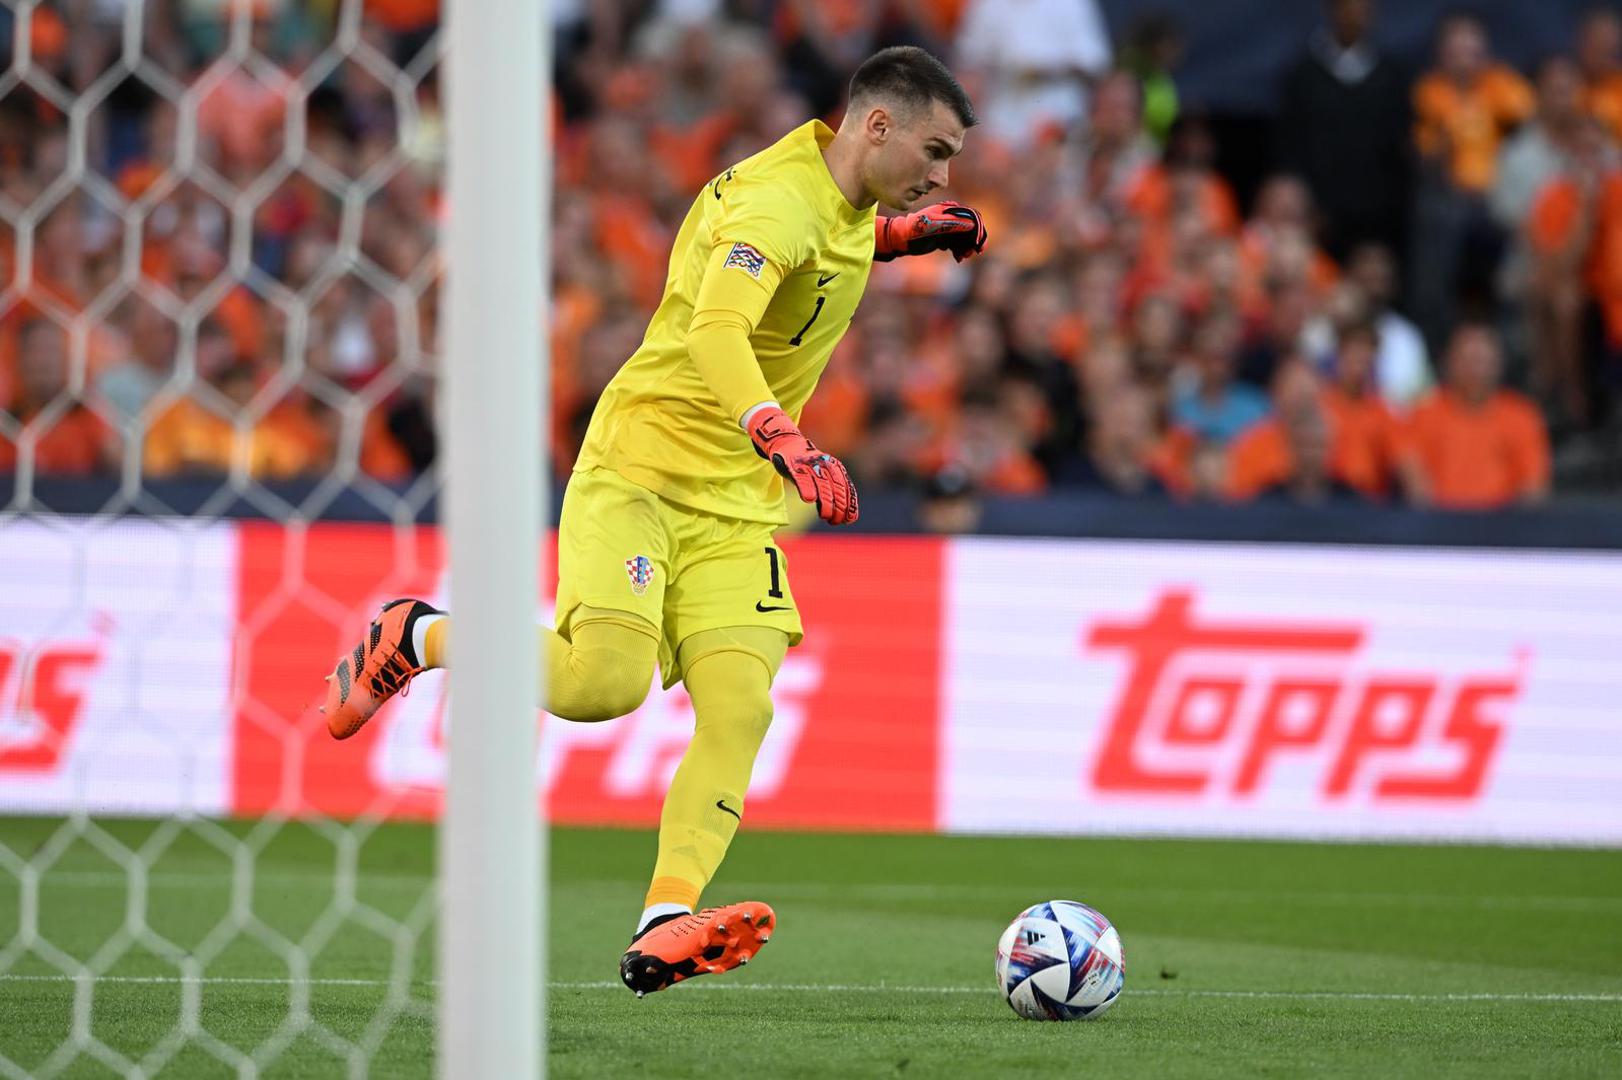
[(614, 682), (623, 690), (741, 717), (609, 670)]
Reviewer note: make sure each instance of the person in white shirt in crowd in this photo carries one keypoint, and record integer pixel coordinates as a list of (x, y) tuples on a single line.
[(1031, 64)]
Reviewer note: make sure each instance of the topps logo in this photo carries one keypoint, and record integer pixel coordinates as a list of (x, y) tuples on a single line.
[(42, 694), (1210, 705)]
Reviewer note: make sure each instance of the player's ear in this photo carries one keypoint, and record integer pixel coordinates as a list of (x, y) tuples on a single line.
[(878, 124)]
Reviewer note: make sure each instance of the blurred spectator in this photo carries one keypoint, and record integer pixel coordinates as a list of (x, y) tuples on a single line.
[(1478, 445), (1310, 479), (1343, 128), (1280, 239), (1466, 104), (1264, 459), (1575, 236), (198, 434), (987, 447), (1402, 369), (409, 23), (1462, 108), (949, 504), (1369, 445), (822, 42), (1029, 64), (1599, 54), (1210, 402), (1117, 455), (243, 116), (1113, 152), (1321, 441), (1154, 48), (893, 454), (406, 444), (1157, 331), (1543, 149), (1104, 341), (1535, 153), (1184, 190), (1283, 332), (131, 383), (68, 438), (1033, 356)]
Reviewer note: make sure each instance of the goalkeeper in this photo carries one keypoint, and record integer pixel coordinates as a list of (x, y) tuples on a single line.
[(665, 544)]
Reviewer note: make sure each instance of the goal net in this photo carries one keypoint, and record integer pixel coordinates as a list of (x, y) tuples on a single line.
[(219, 228)]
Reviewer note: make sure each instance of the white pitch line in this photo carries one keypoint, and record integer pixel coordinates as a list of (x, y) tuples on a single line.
[(865, 988)]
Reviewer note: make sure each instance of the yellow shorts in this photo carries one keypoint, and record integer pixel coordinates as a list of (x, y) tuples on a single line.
[(623, 548)]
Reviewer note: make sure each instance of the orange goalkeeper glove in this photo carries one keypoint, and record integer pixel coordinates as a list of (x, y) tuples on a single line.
[(947, 226), (818, 477)]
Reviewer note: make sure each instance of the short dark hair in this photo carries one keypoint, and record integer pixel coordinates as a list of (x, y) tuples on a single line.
[(910, 76)]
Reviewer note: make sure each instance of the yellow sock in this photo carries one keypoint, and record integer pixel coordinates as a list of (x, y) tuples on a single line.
[(672, 890), (600, 671), (728, 674), (434, 644)]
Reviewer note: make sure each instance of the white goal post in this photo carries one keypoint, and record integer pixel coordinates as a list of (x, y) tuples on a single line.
[(491, 1002)]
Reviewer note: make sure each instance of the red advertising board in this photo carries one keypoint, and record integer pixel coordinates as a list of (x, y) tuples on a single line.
[(966, 685), (854, 739)]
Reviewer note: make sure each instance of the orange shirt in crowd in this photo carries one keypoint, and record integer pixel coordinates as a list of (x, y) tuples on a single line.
[(1603, 100), (1013, 472), (288, 442), (1367, 441), (381, 455), (690, 154), (1480, 457), (837, 412), (1171, 461), (1149, 195), (75, 445), (1256, 255), (1016, 473), (244, 115), (629, 234), (1258, 459), (1552, 225), (841, 17), (187, 437), (404, 16), (1466, 124), (942, 16)]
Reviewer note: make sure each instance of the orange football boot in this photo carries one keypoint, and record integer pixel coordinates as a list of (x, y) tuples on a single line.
[(708, 943), (380, 667)]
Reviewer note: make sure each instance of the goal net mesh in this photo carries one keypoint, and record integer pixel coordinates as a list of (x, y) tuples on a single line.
[(217, 323)]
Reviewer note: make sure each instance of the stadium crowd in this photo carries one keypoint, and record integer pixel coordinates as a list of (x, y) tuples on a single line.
[(1426, 285)]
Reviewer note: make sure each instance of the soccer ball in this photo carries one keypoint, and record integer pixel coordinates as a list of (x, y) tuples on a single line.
[(1060, 961)]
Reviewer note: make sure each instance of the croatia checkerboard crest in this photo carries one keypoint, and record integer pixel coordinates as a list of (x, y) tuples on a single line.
[(640, 569)]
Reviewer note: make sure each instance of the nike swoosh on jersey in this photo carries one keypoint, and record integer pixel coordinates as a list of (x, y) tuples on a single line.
[(762, 607), (821, 280)]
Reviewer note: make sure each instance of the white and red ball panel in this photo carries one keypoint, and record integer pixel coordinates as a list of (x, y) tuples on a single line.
[(1060, 960)]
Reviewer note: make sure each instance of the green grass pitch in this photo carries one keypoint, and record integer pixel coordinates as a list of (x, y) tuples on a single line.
[(1243, 959)]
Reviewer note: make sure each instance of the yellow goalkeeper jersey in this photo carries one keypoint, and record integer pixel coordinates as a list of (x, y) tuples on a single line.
[(783, 223)]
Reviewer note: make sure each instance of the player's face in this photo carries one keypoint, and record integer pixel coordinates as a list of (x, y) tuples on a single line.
[(912, 162)]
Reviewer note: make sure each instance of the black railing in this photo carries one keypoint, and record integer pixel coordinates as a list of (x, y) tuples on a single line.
[(1564, 524)]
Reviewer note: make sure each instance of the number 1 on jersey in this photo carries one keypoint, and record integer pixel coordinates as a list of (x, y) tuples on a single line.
[(797, 338), (776, 591)]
